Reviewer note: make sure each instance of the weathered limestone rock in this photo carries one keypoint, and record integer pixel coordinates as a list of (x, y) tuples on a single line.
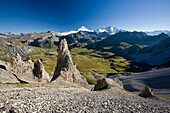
[(7, 77), (65, 69), (22, 71), (146, 92), (101, 84), (40, 72)]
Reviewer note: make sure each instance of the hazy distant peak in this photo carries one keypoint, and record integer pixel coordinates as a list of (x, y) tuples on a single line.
[(110, 29), (157, 32)]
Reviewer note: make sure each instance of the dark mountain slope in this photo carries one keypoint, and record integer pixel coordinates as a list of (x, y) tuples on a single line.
[(138, 46)]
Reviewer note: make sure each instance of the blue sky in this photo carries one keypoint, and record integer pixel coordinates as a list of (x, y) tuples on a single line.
[(64, 15)]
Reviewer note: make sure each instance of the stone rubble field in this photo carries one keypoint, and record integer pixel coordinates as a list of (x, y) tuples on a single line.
[(76, 99)]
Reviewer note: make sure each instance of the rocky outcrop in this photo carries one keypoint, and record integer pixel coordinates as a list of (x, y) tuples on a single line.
[(146, 92), (65, 69), (40, 72), (101, 84), (7, 77), (23, 71)]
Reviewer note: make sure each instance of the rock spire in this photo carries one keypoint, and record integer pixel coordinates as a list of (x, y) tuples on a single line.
[(65, 69)]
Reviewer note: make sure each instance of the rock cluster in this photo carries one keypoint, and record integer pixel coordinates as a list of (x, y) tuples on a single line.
[(18, 70), (65, 69)]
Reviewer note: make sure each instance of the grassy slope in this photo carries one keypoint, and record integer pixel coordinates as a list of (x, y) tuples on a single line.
[(90, 61), (5, 55)]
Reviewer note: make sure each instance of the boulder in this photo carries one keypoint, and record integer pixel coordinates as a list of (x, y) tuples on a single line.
[(65, 69), (146, 92), (101, 84)]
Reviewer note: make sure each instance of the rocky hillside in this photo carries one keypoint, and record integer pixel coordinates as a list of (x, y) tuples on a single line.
[(9, 48), (48, 39), (137, 46)]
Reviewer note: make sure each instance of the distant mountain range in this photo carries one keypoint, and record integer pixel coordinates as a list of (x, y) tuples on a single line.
[(110, 30), (157, 32)]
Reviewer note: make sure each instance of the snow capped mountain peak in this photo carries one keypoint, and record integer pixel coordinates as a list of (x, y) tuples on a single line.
[(83, 28), (111, 30)]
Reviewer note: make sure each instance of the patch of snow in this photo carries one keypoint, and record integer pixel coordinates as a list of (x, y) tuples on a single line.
[(83, 28), (66, 33), (111, 30)]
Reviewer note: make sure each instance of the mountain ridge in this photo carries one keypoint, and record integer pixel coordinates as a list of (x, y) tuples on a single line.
[(109, 29)]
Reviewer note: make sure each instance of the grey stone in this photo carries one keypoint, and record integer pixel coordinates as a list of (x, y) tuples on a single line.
[(40, 72), (65, 69), (146, 92)]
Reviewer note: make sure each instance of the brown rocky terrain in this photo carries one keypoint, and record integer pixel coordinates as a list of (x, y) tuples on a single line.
[(25, 87)]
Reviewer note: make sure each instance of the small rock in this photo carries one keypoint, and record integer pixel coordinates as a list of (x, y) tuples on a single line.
[(101, 84), (146, 92)]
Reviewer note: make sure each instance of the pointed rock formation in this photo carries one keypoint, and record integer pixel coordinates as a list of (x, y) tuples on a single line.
[(23, 71), (65, 69), (146, 92), (40, 72)]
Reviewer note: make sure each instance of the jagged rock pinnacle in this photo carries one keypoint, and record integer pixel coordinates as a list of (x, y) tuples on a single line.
[(40, 72), (65, 69)]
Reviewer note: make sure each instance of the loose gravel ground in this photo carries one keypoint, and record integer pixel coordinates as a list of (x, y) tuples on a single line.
[(61, 100)]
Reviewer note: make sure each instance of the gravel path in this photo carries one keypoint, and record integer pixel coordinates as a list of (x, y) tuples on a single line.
[(61, 100)]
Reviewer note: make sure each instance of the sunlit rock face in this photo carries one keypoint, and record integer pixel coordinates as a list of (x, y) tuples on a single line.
[(65, 69), (40, 72), (18, 70)]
